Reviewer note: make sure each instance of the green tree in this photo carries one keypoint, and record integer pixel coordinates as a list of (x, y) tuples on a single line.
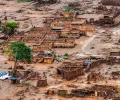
[(23, 0), (69, 9), (1, 28), (20, 52), (66, 54), (11, 27)]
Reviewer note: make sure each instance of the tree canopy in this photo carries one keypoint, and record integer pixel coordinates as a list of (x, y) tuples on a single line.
[(11, 26), (69, 9), (20, 52)]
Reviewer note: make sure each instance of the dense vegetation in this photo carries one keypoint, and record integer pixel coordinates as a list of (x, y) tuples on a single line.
[(19, 51), (8, 27), (11, 27)]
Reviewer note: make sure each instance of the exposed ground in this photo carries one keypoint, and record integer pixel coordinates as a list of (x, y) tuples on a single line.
[(25, 14)]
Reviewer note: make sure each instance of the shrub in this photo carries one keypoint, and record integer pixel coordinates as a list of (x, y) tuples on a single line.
[(23, 0), (66, 54)]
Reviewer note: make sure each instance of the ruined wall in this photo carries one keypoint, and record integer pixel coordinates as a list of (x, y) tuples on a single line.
[(111, 2), (99, 62), (95, 64), (69, 75)]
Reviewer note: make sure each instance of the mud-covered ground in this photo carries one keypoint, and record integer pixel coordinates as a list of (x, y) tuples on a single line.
[(26, 15)]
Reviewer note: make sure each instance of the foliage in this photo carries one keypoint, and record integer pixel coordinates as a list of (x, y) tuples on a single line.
[(23, 0), (1, 43), (28, 84), (69, 9), (19, 51), (8, 30), (0, 23), (1, 29), (11, 26), (66, 54)]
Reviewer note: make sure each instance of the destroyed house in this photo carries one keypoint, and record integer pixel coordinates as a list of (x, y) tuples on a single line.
[(69, 70), (52, 35), (64, 43), (41, 47), (114, 56), (70, 34), (111, 2), (86, 28), (16, 38), (116, 75), (106, 20), (78, 21), (105, 91), (44, 57)]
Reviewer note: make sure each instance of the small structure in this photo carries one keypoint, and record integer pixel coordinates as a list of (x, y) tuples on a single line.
[(111, 2), (116, 75), (42, 83), (64, 43), (82, 92), (105, 20), (70, 34), (69, 70), (44, 57), (114, 57)]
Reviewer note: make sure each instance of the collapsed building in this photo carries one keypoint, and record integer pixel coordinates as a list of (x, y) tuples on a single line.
[(106, 20), (45, 1), (114, 57), (115, 75), (111, 2), (70, 70)]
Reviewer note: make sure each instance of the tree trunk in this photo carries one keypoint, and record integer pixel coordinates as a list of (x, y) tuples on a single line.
[(14, 72)]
